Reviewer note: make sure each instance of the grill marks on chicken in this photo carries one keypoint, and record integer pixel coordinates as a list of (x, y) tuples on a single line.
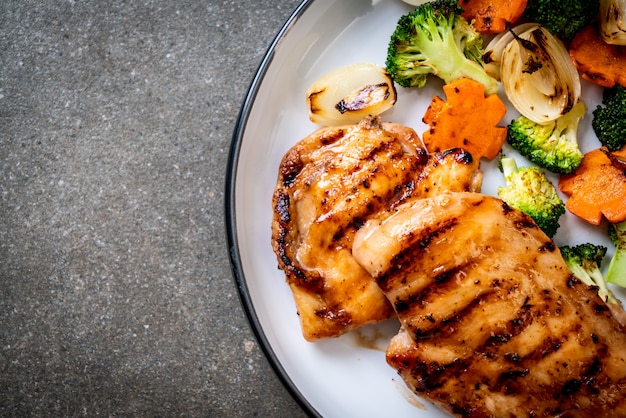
[(329, 185), (493, 323)]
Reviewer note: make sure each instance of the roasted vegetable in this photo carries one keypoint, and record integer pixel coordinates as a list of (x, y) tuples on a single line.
[(435, 39), (616, 272), (350, 93), (538, 75), (563, 18), (613, 21), (552, 145), (492, 16), (492, 57), (529, 190), (598, 62), (597, 188), (466, 119), (584, 261), (609, 118)]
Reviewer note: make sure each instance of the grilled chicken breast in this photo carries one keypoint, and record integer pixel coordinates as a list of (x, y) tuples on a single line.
[(492, 322), (328, 185)]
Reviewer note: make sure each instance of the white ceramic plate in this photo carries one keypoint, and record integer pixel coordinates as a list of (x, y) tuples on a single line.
[(347, 376)]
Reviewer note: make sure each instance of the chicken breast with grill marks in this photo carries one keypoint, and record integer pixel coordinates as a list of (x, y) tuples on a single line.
[(493, 322), (328, 185)]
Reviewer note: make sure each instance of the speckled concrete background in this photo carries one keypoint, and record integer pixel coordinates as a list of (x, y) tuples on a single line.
[(116, 296)]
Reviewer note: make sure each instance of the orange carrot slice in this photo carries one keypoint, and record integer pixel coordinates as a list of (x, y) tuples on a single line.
[(492, 16), (598, 62), (467, 119), (597, 188)]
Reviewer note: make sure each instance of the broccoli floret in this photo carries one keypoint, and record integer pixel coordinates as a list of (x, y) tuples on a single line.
[(584, 262), (563, 18), (469, 40), (609, 118), (529, 190), (552, 145), (616, 272), (435, 39)]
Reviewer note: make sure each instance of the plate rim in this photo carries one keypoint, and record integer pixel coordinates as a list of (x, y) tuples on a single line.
[(234, 255)]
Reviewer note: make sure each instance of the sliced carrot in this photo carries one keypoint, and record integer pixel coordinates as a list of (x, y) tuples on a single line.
[(492, 16), (597, 188), (598, 62), (467, 119)]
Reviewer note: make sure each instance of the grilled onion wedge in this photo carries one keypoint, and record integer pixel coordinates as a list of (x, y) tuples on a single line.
[(538, 75), (350, 93)]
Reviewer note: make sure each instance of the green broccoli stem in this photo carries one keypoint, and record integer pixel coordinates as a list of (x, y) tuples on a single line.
[(472, 70), (508, 165), (582, 274), (616, 272), (584, 263), (450, 63), (603, 290)]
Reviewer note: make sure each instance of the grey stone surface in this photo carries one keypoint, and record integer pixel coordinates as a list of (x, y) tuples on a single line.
[(116, 296)]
